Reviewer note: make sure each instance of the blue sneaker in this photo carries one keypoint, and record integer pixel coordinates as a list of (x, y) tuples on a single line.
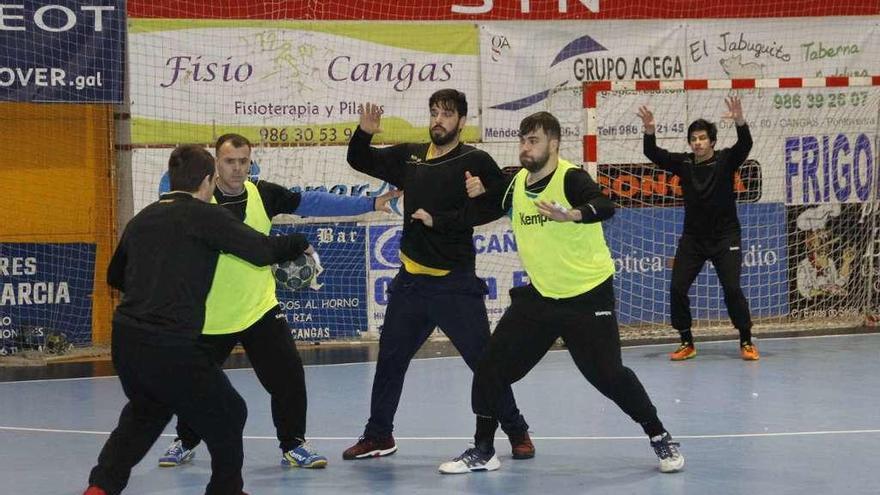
[(303, 456), (176, 455)]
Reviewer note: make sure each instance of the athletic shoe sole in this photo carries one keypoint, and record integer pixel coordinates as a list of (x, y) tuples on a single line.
[(314, 465), (672, 467), (174, 464), (372, 453), (455, 467)]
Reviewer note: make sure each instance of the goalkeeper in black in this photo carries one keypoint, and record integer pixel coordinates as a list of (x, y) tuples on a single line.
[(164, 265), (711, 227)]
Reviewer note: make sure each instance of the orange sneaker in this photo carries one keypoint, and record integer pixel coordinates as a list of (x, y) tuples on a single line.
[(749, 352), (684, 351)]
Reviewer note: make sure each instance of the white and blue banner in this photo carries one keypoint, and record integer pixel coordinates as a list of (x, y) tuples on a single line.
[(497, 264), (45, 288), (62, 51), (643, 243), (338, 308)]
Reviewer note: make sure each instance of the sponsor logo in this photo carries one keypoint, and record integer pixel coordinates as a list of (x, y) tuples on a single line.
[(633, 263), (524, 7), (196, 70), (53, 18), (585, 67), (401, 76), (823, 169), (495, 243), (642, 184), (499, 45), (536, 219), (385, 247)]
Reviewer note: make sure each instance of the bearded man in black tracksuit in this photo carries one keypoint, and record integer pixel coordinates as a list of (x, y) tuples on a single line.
[(437, 285)]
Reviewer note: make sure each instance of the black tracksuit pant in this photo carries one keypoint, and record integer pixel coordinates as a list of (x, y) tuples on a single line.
[(416, 305), (725, 253), (162, 376), (272, 352), (588, 325)]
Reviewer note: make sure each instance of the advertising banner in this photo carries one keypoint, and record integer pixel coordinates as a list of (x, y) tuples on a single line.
[(542, 67), (45, 289), (293, 82), (810, 145), (446, 10), (62, 51), (337, 308), (497, 264), (833, 267), (308, 168), (643, 243)]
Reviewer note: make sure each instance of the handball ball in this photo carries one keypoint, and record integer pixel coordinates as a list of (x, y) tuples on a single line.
[(297, 274)]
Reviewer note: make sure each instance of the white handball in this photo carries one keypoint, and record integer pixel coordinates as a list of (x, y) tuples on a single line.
[(299, 273)]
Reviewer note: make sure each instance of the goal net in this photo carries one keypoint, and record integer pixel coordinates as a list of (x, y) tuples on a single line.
[(291, 77), (95, 94), (807, 195)]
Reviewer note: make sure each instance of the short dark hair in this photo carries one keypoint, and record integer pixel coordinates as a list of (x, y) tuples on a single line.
[(449, 99), (188, 166), (541, 120), (703, 125), (236, 140)]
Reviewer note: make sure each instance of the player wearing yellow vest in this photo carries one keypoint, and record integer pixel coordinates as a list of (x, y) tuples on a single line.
[(242, 306), (437, 285), (556, 209)]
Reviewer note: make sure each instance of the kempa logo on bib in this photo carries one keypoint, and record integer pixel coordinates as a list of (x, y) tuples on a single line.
[(537, 218)]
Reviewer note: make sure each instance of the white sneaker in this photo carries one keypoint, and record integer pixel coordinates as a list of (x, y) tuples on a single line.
[(473, 459), (671, 459)]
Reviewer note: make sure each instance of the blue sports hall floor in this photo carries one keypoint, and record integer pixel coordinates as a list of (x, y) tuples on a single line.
[(803, 419)]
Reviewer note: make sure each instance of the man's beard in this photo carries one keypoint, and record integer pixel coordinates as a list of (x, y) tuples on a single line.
[(533, 165), (443, 139)]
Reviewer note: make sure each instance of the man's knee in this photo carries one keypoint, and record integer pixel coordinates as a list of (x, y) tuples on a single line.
[(678, 291), (238, 411)]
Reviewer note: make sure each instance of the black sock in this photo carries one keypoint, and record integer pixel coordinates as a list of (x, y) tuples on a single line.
[(686, 336), (296, 442), (745, 337), (653, 428), (484, 438), (188, 446)]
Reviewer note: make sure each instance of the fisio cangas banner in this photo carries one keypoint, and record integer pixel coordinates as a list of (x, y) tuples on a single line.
[(62, 51), (293, 82), (497, 9)]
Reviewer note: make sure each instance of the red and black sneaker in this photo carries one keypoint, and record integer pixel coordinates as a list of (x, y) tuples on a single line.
[(367, 447), (521, 445), (94, 490)]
